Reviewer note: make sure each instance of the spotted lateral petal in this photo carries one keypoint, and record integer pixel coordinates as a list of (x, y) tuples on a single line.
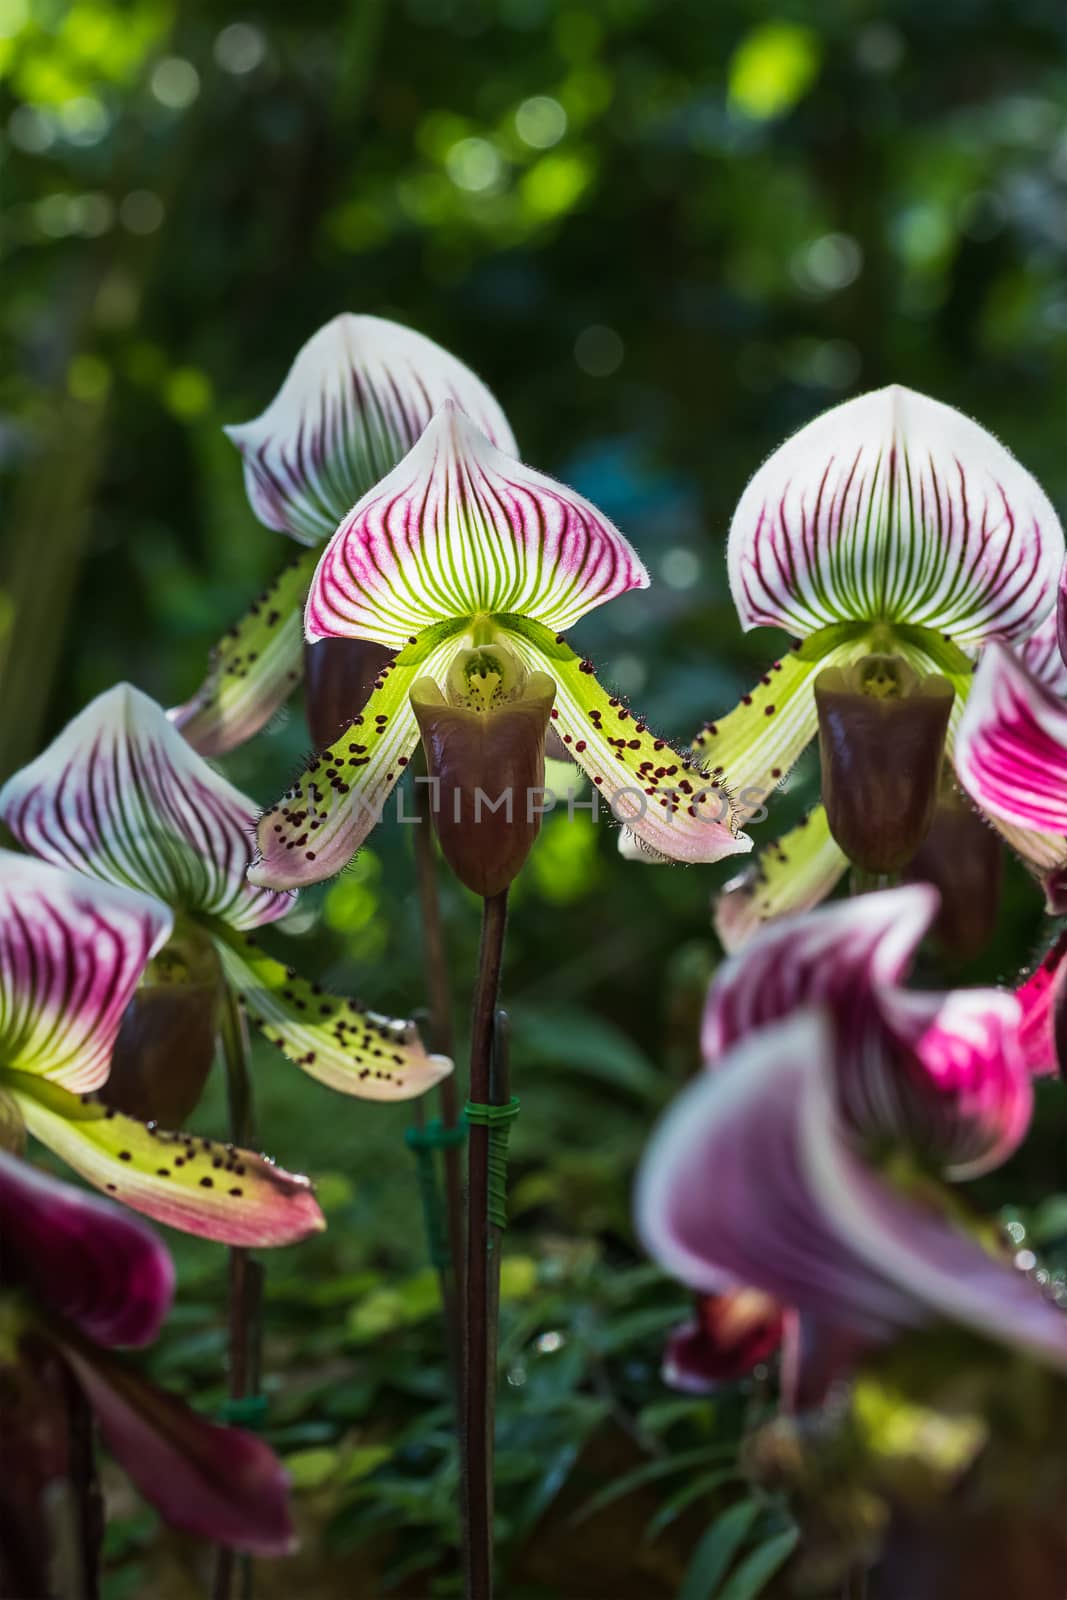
[(81, 1258), (119, 795), (793, 874), (357, 397), (254, 668), (943, 1074), (1044, 1022), (752, 1179), (1011, 750), (320, 822), (71, 955), (459, 529), (221, 1484), (673, 806), (754, 746), (337, 1041), (190, 1183), (893, 506)]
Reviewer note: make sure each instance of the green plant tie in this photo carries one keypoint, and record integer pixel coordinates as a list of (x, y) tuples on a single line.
[(498, 1120), (249, 1411), (424, 1143)]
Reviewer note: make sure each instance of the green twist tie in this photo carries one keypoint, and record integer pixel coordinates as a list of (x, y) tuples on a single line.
[(498, 1120), (423, 1142), (250, 1411)]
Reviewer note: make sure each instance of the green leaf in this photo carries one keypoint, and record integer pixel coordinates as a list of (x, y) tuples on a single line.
[(757, 1569), (695, 1489), (580, 1044), (310, 1469), (649, 1473), (716, 1551)]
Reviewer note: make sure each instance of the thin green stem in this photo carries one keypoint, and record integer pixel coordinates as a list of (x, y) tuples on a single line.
[(480, 1368), (246, 1275)]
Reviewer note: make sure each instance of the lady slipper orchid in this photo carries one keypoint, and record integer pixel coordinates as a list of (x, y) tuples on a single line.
[(943, 1075), (729, 1335), (79, 1278), (893, 528), (755, 1178), (1012, 757), (120, 795), (461, 547), (485, 751), (356, 399), (71, 953)]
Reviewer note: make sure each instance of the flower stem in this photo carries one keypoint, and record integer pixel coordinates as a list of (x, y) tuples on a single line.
[(482, 1263), (439, 990), (246, 1274)]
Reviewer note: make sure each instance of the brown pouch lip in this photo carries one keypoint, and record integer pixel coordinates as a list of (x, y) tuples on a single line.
[(487, 772), (881, 741)]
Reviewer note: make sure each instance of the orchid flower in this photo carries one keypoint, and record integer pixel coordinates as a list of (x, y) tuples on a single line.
[(79, 1278), (356, 399), (941, 1074), (71, 953), (460, 549), (729, 1335), (755, 1178), (892, 536), (1012, 755)]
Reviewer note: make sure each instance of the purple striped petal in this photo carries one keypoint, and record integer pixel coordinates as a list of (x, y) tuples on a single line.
[(752, 1179), (1041, 655), (216, 1191), (219, 1483), (71, 955), (459, 530), (119, 795), (1011, 749), (897, 508), (357, 397), (1041, 998), (793, 874), (81, 1258), (943, 1074), (836, 956)]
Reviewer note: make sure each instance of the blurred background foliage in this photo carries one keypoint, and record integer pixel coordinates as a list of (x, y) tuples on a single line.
[(667, 233)]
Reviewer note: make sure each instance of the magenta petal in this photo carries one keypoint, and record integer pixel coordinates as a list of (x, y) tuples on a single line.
[(1041, 998), (834, 956), (963, 1089), (940, 1073), (1011, 747), (79, 1256), (1040, 653), (729, 1336), (752, 1178), (220, 1483), (71, 954)]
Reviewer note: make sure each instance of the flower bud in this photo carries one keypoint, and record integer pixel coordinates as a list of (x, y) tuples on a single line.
[(166, 1042), (881, 740), (963, 858), (485, 755), (339, 675)]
